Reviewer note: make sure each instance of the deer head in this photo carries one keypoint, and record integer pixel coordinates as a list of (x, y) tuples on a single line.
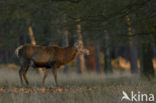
[(79, 46)]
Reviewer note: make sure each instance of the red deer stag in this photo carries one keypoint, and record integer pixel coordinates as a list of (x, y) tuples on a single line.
[(46, 56)]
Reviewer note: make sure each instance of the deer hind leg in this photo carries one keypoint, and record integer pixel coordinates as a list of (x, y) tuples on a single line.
[(22, 72), (55, 75), (45, 76)]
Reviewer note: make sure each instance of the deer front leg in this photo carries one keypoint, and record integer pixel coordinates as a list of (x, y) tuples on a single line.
[(20, 74), (55, 76), (24, 75), (45, 76)]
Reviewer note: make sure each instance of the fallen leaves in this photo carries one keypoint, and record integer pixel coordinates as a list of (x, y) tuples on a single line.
[(45, 90)]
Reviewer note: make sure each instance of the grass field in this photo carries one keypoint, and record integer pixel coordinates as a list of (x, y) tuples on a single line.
[(74, 88)]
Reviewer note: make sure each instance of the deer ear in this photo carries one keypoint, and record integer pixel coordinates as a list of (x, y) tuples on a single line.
[(75, 44), (80, 42), (86, 51)]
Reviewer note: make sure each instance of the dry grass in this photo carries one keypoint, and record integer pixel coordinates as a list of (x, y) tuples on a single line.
[(74, 88)]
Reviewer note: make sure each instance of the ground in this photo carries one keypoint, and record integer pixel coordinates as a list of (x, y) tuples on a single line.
[(74, 88)]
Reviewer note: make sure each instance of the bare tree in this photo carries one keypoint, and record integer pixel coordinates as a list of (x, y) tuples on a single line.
[(80, 59), (147, 69), (132, 48), (97, 57), (107, 54), (31, 35), (65, 42)]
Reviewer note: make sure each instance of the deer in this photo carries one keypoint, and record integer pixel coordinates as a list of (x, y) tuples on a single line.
[(48, 57)]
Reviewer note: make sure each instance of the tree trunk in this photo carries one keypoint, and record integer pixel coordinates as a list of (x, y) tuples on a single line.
[(80, 61), (107, 55), (147, 69), (32, 38), (65, 44), (97, 57), (132, 48), (31, 35), (133, 59)]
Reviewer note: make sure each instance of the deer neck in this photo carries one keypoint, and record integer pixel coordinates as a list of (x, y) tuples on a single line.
[(71, 54)]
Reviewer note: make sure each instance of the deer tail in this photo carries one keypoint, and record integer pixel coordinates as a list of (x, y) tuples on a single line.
[(17, 50)]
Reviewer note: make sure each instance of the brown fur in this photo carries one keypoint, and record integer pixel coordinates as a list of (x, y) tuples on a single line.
[(53, 56), (44, 56)]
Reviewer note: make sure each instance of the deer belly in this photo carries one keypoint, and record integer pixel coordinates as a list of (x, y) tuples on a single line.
[(40, 64)]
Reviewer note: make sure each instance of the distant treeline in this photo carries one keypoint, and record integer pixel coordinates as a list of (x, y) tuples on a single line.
[(108, 28)]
